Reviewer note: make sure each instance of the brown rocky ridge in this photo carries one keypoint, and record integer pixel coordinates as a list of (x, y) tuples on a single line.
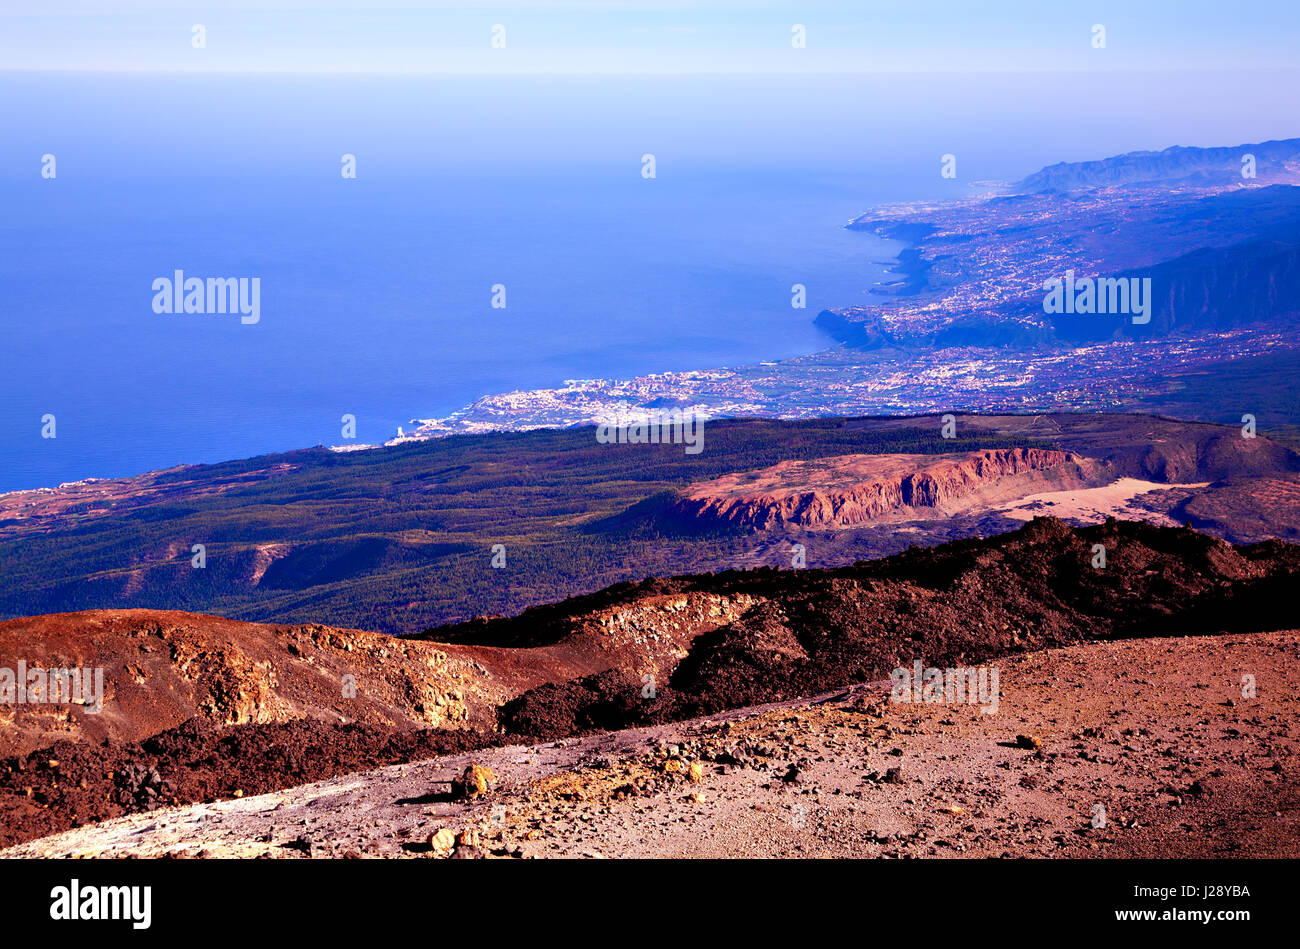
[(848, 490), (707, 644)]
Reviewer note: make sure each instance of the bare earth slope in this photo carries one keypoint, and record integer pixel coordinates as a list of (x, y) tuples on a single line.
[(164, 668), (644, 654), (1155, 732)]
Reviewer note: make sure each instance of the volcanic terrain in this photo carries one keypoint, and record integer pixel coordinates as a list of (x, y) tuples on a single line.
[(1134, 748), (243, 710), (403, 538)]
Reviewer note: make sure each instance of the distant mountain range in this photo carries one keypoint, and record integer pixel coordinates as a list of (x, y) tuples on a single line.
[(1216, 231), (1179, 163)]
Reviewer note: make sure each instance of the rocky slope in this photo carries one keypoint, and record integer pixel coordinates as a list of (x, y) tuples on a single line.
[(162, 668), (1247, 509), (959, 604), (1156, 733), (634, 655), (856, 489)]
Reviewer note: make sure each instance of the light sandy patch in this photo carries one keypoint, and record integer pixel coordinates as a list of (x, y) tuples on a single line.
[(1094, 505)]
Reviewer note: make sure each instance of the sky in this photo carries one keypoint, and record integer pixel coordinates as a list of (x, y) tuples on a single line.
[(671, 37)]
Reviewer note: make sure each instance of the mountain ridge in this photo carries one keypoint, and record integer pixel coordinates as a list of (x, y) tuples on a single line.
[(1177, 162), (762, 636)]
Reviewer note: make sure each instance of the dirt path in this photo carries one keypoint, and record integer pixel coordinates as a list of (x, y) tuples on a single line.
[(1155, 732)]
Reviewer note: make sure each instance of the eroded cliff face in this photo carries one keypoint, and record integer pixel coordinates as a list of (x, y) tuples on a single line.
[(854, 489), (160, 668)]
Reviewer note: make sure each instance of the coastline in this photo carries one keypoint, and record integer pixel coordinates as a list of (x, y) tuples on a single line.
[(881, 383), (901, 357), (886, 381), (579, 402)]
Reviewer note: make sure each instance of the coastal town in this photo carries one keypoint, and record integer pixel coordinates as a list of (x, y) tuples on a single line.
[(846, 382), (963, 323)]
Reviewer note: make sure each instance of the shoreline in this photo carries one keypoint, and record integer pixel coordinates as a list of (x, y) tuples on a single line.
[(881, 383), (889, 358)]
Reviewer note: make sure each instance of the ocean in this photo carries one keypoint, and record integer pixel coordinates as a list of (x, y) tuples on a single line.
[(376, 291)]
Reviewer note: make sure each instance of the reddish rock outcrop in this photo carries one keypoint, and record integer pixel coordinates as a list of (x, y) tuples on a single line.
[(852, 489)]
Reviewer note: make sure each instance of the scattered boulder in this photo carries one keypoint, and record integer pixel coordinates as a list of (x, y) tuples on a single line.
[(475, 781), (442, 841)]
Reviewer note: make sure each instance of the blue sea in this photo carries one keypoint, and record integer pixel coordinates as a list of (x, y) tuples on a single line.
[(376, 291)]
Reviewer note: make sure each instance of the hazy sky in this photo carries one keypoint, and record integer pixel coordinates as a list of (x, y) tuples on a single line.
[(675, 36)]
